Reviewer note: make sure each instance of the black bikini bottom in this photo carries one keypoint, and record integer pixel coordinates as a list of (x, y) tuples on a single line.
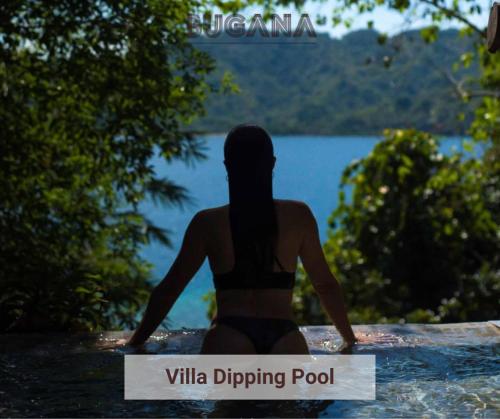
[(263, 332)]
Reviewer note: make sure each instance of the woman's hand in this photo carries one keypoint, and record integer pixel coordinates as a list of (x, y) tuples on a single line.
[(129, 346), (376, 338), (122, 343), (367, 339), (346, 347)]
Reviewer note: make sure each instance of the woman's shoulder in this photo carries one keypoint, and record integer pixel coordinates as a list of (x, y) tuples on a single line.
[(288, 207), (298, 207), (205, 220), (211, 213), (294, 213)]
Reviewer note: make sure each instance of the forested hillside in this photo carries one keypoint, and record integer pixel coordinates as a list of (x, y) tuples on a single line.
[(352, 85)]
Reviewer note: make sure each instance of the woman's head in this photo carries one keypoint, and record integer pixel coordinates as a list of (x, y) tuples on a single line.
[(248, 152)]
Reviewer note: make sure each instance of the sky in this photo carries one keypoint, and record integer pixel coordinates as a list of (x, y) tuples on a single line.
[(386, 21)]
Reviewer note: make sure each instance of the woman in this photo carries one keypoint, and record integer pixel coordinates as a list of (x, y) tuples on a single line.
[(252, 246)]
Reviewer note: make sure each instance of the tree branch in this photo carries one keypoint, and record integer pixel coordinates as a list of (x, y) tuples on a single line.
[(459, 86), (455, 14)]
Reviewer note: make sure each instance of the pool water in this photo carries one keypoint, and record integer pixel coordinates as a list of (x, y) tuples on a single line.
[(422, 370)]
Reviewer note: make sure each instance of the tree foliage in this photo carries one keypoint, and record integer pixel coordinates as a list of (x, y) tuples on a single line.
[(90, 91), (414, 237)]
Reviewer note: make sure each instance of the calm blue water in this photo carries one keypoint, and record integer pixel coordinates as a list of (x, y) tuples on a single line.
[(307, 169)]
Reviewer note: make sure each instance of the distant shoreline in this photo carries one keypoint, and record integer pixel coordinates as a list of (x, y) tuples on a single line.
[(224, 133)]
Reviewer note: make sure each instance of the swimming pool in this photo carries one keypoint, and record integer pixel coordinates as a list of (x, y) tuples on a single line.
[(422, 370)]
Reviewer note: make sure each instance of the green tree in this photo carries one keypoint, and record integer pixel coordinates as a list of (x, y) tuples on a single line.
[(417, 240), (90, 91)]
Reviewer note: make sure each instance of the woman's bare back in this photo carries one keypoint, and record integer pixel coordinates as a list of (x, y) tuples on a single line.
[(290, 217), (269, 302)]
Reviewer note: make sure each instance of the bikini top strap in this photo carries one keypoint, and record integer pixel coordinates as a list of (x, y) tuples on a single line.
[(279, 263)]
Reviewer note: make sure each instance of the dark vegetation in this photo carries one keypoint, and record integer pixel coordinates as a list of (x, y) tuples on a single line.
[(418, 240), (90, 90)]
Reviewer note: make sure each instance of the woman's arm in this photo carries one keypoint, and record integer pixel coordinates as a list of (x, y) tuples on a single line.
[(165, 294), (325, 284)]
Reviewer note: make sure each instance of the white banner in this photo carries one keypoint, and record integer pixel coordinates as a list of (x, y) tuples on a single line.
[(251, 377)]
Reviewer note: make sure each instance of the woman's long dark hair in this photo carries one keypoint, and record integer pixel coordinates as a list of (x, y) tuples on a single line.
[(249, 160)]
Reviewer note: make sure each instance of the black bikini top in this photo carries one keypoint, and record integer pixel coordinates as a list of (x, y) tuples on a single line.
[(238, 280)]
